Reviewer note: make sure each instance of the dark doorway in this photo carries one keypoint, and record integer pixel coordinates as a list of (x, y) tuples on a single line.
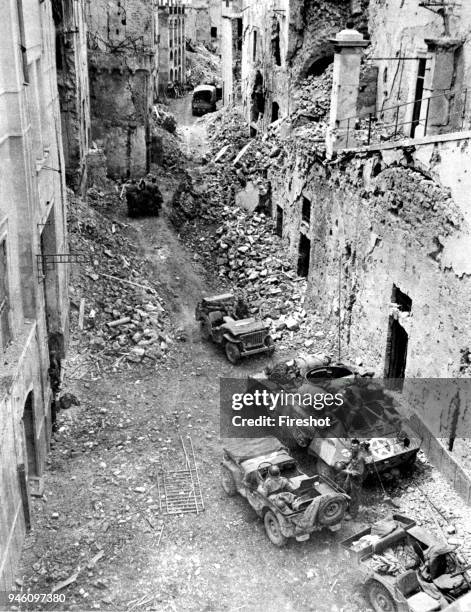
[(396, 351), (275, 111), (258, 98), (397, 341), (304, 255), (319, 66), (419, 93), (29, 435), (306, 210), (214, 32), (279, 222)]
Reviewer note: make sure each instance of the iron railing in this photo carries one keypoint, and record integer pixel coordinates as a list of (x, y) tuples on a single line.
[(442, 113)]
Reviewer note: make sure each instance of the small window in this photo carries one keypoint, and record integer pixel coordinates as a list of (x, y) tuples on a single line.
[(5, 332), (214, 32), (254, 45), (306, 210), (239, 34)]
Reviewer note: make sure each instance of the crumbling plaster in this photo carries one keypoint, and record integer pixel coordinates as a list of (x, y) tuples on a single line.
[(383, 222)]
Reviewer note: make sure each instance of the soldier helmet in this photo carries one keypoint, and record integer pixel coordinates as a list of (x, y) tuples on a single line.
[(274, 470)]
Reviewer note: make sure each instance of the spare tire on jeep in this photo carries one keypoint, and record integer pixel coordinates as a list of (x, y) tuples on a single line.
[(331, 509)]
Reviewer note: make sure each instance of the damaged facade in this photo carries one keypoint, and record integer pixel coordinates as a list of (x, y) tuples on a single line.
[(33, 289), (72, 80), (123, 68), (203, 22), (386, 213), (231, 46), (172, 46), (283, 43)]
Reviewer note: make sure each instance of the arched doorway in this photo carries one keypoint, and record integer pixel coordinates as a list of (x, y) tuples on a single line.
[(29, 432)]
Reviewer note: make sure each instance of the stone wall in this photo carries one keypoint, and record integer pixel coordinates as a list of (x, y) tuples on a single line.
[(382, 221), (72, 79), (401, 35), (123, 60), (34, 299)]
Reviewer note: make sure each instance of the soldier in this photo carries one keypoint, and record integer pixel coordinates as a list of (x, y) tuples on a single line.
[(241, 309), (354, 479), (275, 482)]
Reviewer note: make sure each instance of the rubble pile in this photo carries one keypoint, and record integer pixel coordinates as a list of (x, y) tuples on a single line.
[(250, 256), (202, 66), (117, 313), (162, 118), (227, 128), (312, 99)]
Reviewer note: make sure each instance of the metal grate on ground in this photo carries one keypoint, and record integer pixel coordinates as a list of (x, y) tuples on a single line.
[(180, 490)]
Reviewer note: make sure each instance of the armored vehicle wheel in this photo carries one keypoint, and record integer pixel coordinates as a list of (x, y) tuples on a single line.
[(269, 342), (232, 352), (227, 481), (331, 511), (273, 529), (380, 598), (205, 329), (324, 469)]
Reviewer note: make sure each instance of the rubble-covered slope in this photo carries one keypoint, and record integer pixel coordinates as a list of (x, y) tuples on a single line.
[(202, 65), (117, 313)]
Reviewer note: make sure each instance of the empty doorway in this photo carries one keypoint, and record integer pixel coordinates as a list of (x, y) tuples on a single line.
[(397, 340), (304, 255), (29, 435)]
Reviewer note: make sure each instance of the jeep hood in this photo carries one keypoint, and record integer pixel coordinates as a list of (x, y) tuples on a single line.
[(245, 326)]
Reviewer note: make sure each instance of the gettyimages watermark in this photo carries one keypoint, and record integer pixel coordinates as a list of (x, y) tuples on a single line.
[(359, 407)]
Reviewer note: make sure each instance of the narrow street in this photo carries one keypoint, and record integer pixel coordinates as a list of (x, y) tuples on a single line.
[(99, 523), (324, 185), (101, 493)]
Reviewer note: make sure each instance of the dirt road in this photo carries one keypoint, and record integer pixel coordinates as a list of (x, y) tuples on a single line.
[(99, 525)]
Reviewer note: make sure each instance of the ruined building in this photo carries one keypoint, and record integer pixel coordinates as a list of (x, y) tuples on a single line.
[(231, 48), (33, 270), (172, 69), (203, 22), (72, 80), (366, 108), (378, 188), (123, 69)]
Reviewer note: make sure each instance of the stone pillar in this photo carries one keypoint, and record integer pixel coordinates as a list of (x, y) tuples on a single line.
[(348, 46), (442, 113)]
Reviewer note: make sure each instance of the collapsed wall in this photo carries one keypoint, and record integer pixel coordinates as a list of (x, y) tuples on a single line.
[(379, 232)]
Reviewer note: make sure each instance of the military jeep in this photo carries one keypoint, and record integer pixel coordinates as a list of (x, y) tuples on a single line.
[(223, 320), (315, 502), (404, 568)]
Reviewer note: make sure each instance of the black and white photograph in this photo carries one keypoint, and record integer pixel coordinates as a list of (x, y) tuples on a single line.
[(235, 305)]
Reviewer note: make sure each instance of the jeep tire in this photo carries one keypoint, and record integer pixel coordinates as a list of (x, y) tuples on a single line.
[(232, 351), (331, 510), (273, 529)]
